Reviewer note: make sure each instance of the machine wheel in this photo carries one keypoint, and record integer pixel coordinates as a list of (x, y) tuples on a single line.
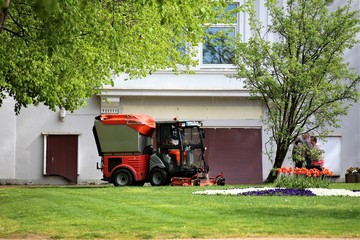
[(158, 177), (122, 177), (220, 181), (197, 182)]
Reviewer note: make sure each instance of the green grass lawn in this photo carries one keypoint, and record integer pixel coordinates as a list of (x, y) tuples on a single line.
[(170, 212)]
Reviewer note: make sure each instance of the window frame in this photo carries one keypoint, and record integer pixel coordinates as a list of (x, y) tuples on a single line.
[(236, 26)]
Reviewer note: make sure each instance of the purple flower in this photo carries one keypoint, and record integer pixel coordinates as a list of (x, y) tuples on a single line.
[(279, 192)]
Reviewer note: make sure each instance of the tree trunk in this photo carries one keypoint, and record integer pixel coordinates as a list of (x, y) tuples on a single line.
[(281, 151), (3, 14)]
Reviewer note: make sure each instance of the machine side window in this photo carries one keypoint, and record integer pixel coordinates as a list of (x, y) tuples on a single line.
[(168, 137), (192, 136)]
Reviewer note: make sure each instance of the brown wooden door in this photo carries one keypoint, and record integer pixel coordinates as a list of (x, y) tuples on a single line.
[(236, 152), (61, 156)]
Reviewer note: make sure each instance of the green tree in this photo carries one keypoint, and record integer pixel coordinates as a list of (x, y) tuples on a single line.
[(301, 76), (60, 52)]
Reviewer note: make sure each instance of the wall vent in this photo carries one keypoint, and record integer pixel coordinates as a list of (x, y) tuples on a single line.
[(109, 110)]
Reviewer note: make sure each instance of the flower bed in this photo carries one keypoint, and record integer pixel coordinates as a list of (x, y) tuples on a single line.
[(281, 192), (301, 178), (291, 182)]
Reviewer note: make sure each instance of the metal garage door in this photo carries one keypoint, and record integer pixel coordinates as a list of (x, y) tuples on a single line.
[(236, 152)]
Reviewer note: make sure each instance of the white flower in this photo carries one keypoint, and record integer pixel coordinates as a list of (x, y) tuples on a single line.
[(334, 192)]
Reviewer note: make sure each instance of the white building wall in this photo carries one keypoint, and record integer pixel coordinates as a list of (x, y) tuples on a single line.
[(206, 95), (25, 134), (203, 79), (348, 135), (202, 108), (350, 124), (7, 140)]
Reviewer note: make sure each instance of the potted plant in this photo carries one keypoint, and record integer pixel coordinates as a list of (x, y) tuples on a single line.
[(352, 175)]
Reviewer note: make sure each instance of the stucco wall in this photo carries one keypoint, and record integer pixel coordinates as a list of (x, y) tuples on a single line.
[(7, 140), (206, 95), (25, 134), (202, 108)]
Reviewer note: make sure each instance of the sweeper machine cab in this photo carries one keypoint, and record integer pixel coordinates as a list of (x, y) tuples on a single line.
[(130, 156)]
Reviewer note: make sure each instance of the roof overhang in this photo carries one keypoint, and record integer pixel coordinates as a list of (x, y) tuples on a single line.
[(111, 92)]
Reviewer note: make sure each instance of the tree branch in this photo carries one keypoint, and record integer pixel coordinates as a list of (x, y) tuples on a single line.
[(3, 14)]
